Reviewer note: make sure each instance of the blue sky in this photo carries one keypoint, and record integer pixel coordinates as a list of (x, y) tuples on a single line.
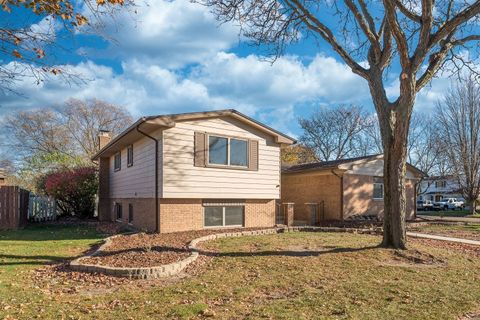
[(173, 56)]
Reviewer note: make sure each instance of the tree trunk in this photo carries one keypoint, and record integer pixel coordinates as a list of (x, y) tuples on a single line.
[(473, 205), (394, 127)]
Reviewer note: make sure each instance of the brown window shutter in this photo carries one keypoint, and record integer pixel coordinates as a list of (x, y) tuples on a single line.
[(200, 149), (253, 155)]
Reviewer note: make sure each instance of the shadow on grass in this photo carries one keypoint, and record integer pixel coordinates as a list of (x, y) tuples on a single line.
[(287, 253), (48, 232), (31, 259)]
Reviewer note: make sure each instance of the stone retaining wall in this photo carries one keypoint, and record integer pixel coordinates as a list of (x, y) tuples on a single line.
[(176, 267)]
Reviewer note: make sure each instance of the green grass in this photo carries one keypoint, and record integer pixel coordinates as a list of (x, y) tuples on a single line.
[(447, 213), (284, 276)]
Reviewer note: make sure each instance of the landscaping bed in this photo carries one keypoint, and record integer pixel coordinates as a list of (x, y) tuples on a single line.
[(455, 230), (150, 250)]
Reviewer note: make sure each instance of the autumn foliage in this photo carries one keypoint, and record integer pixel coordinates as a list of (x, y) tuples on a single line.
[(74, 190)]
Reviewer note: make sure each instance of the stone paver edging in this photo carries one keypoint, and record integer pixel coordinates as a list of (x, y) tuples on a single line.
[(176, 267)]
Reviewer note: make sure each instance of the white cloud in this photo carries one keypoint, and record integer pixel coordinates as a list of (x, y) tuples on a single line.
[(167, 33), (248, 84)]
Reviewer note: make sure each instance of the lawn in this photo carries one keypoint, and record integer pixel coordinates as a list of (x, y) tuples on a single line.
[(284, 276), (467, 231), (446, 213)]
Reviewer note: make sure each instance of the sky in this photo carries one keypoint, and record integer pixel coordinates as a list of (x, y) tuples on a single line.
[(173, 56)]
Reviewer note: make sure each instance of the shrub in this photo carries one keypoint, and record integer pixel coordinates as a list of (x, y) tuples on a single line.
[(74, 190)]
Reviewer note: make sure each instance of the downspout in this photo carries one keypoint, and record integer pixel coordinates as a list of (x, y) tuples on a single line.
[(157, 208), (341, 191)]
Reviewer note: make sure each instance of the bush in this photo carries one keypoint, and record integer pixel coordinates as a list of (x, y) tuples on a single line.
[(74, 190)]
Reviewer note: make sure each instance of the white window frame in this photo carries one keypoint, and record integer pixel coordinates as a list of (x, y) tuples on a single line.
[(119, 154), (383, 191), (223, 217), (228, 165)]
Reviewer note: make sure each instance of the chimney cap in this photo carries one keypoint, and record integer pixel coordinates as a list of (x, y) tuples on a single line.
[(104, 132)]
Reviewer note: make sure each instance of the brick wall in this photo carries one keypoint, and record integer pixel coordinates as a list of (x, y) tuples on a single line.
[(313, 187), (259, 213), (181, 215), (358, 196), (186, 214)]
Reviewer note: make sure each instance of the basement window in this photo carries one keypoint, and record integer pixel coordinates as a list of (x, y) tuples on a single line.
[(118, 211), (130, 213), (224, 216)]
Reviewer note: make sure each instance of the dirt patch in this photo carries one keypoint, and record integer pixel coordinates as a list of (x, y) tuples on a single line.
[(413, 258), (149, 250)]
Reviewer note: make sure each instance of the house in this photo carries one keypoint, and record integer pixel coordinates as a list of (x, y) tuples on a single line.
[(191, 171), (436, 188), (341, 189)]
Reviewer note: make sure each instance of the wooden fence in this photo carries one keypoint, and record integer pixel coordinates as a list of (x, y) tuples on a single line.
[(13, 207), (42, 209)]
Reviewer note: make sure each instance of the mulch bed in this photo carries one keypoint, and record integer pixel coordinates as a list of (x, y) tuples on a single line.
[(149, 250)]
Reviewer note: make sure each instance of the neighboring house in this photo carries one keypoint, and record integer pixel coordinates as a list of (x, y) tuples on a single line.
[(191, 171), (342, 189), (439, 187)]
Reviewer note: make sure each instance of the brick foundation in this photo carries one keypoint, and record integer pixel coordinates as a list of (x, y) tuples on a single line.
[(184, 214)]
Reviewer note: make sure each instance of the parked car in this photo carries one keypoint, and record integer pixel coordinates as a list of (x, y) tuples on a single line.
[(449, 204), (425, 205)]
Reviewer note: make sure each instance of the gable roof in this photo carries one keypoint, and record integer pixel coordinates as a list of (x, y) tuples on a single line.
[(152, 123), (340, 164)]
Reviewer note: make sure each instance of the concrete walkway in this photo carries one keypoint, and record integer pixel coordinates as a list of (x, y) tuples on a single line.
[(451, 219), (442, 238)]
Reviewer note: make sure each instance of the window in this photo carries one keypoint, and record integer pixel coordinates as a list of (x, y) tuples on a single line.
[(440, 184), (130, 213), (227, 151), (130, 156), (217, 150), (223, 216), (118, 211), (238, 152), (118, 162), (378, 191)]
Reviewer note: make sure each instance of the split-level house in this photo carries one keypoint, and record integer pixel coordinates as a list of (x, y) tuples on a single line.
[(191, 171), (342, 189)]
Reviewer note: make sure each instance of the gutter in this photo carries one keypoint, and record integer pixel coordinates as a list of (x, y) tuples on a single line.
[(341, 191), (157, 208)]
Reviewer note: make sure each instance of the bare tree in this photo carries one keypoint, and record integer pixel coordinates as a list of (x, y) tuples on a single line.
[(30, 49), (69, 130), (459, 117), (371, 36), (83, 120), (335, 133)]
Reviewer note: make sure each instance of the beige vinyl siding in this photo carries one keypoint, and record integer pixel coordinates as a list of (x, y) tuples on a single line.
[(373, 168), (137, 181), (181, 179)]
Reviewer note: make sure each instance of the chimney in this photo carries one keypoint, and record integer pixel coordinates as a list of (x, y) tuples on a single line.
[(104, 137)]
